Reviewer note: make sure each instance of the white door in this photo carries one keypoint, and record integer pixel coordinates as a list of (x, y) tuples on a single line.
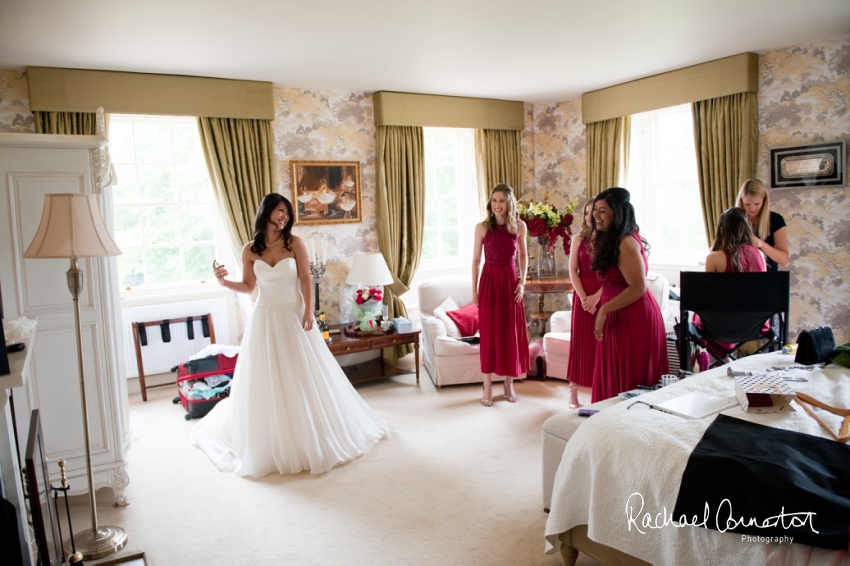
[(37, 288)]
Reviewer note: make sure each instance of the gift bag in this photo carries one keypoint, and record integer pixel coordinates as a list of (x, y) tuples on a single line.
[(763, 394), (814, 346)]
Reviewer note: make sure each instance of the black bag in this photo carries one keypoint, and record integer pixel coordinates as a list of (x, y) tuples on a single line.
[(814, 346)]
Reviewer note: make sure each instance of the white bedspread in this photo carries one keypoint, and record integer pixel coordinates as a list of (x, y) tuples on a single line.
[(621, 452)]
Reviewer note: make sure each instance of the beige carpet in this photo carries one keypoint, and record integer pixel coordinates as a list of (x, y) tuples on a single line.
[(457, 483)]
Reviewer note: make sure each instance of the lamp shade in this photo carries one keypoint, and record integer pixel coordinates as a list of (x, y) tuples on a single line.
[(369, 269), (71, 226)]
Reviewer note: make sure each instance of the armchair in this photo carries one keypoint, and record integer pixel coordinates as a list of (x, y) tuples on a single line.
[(447, 360)]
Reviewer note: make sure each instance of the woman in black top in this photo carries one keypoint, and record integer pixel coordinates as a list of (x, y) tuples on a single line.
[(771, 236)]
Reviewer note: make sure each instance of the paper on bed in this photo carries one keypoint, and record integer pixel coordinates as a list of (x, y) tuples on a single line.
[(763, 393)]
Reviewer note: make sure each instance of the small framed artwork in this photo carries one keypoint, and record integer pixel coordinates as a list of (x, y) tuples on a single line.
[(326, 192), (819, 165)]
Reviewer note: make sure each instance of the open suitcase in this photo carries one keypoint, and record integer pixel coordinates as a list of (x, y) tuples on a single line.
[(190, 372)]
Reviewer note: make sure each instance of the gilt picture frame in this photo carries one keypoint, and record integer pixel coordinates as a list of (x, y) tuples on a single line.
[(326, 192), (817, 165)]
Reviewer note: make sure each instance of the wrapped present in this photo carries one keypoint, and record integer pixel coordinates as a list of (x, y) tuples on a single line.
[(402, 325), (763, 393)]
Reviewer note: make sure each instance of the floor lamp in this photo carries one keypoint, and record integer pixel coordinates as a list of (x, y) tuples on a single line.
[(71, 227)]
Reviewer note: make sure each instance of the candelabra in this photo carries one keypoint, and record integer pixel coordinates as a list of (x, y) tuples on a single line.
[(317, 269)]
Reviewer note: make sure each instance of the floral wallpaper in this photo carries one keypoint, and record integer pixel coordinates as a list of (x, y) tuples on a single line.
[(559, 163), (804, 98), (15, 115), (330, 126)]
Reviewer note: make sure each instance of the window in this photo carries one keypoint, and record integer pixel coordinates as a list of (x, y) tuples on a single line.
[(662, 178), (451, 196), (166, 220)]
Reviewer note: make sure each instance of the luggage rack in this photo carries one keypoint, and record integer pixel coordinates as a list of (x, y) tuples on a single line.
[(140, 339)]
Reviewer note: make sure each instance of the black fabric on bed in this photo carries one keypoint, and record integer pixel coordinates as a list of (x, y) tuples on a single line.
[(764, 472)]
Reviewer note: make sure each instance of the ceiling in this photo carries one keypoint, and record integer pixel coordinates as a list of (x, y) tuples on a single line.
[(532, 50)]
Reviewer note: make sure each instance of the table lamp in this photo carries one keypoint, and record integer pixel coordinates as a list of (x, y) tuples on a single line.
[(369, 270), (71, 227)]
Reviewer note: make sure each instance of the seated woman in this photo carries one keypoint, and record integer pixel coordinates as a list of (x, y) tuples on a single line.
[(732, 252)]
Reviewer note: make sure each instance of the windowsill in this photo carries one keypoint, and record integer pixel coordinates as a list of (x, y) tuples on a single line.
[(171, 294)]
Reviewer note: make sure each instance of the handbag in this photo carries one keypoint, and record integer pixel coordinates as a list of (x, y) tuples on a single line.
[(814, 346)]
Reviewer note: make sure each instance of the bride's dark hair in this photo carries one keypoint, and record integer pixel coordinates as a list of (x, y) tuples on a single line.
[(606, 247), (264, 212)]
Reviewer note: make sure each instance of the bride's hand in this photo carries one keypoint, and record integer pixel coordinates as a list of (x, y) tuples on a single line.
[(220, 272), (307, 320)]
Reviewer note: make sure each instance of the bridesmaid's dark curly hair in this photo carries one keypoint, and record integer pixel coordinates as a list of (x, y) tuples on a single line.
[(267, 206), (606, 247)]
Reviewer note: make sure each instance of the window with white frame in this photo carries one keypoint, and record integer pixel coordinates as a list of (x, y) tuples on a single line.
[(451, 197), (166, 221), (662, 179)]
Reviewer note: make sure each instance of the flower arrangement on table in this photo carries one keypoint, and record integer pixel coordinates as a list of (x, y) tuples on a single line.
[(367, 307), (547, 224)]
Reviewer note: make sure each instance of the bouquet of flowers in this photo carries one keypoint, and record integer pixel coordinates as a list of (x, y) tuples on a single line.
[(547, 224), (367, 306)]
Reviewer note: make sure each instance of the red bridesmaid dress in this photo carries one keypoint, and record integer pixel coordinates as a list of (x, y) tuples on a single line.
[(582, 342), (633, 349), (503, 337)]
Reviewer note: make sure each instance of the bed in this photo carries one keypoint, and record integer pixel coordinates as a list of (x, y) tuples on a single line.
[(624, 451)]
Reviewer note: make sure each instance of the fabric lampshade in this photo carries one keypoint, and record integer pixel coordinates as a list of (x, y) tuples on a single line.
[(369, 269), (71, 227)]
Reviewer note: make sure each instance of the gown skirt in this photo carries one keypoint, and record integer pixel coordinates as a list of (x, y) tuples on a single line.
[(291, 407), (582, 341), (633, 349), (502, 331)]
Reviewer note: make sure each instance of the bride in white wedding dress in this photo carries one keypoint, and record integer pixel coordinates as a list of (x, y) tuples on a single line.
[(291, 408)]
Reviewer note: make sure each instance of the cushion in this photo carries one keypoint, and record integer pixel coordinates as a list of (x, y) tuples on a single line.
[(466, 319), (440, 312)]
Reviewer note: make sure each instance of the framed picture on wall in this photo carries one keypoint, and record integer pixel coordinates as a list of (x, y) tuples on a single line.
[(819, 165), (326, 192)]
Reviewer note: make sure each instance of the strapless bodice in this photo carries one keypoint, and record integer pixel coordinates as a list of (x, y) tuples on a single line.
[(278, 284)]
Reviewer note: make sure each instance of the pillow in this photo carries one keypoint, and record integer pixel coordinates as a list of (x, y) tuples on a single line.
[(440, 312), (466, 319)]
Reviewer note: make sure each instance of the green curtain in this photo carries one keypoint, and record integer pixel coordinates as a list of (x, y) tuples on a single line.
[(400, 210), (608, 143), (498, 159), (726, 140), (240, 158), (73, 123)]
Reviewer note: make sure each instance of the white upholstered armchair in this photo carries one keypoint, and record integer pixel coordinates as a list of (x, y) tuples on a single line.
[(447, 360)]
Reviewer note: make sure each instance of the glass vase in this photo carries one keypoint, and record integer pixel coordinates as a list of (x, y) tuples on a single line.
[(546, 264)]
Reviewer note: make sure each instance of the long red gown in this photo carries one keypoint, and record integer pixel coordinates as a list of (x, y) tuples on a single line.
[(582, 341), (633, 349), (502, 331)]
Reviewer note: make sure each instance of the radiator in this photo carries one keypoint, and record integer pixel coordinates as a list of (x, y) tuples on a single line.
[(159, 356)]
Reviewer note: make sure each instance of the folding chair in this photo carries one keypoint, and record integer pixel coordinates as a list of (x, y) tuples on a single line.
[(733, 308)]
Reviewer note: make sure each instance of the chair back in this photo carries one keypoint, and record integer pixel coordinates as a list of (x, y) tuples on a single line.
[(734, 306), (433, 291)]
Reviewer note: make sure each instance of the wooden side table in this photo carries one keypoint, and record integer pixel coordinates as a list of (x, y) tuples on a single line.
[(374, 369), (542, 287)]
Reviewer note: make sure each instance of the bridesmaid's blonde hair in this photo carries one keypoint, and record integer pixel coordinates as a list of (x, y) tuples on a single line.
[(756, 189), (511, 222)]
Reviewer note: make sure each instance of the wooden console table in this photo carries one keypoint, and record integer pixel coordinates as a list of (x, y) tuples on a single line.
[(367, 371), (543, 287)]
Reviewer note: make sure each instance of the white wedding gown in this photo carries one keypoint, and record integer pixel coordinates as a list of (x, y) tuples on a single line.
[(291, 408)]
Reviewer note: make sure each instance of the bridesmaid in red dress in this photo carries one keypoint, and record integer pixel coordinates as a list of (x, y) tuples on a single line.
[(498, 294), (587, 291), (632, 348)]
